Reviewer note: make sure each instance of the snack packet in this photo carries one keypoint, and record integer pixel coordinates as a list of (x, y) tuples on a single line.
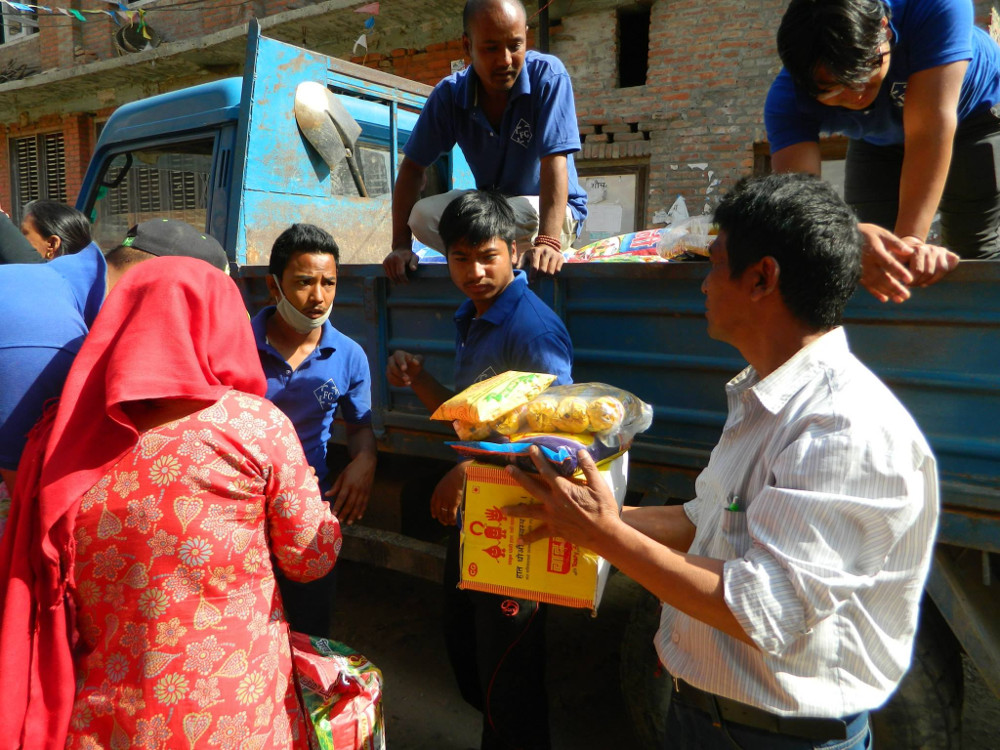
[(494, 397)]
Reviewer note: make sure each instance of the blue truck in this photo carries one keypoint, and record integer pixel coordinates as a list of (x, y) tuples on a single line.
[(229, 156)]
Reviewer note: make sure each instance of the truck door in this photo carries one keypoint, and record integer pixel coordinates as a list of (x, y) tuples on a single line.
[(282, 179)]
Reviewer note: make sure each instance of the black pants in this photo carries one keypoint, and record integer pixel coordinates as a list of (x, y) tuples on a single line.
[(496, 646), (308, 605), (970, 204)]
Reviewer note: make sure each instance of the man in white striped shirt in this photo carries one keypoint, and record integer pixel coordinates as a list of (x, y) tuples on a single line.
[(792, 581)]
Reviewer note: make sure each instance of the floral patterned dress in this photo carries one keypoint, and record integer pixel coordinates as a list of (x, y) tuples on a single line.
[(183, 640)]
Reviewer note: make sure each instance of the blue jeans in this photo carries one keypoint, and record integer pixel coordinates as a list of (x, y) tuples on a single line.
[(692, 729)]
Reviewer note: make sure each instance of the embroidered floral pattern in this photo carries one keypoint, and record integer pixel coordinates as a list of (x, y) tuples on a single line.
[(175, 585)]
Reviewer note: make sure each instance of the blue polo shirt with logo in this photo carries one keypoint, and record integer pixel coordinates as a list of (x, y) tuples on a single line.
[(925, 34), (334, 375), (540, 120), (46, 310), (518, 332)]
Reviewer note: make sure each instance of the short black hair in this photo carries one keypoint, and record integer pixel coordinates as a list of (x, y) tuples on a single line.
[(65, 222), (123, 257), (476, 217), (472, 7), (301, 238), (841, 35), (801, 222)]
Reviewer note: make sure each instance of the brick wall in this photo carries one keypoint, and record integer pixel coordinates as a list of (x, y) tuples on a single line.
[(697, 119), (428, 65), (694, 124)]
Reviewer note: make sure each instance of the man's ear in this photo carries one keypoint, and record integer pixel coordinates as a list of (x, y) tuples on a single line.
[(467, 46), (272, 288), (53, 244), (763, 275), (513, 253)]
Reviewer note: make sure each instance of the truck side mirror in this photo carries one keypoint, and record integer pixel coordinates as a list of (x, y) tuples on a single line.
[(116, 171), (329, 127)]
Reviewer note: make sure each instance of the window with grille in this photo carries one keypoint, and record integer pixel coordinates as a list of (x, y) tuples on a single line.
[(169, 182), (16, 24), (38, 167)]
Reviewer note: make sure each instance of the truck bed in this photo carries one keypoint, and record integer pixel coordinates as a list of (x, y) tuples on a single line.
[(641, 327)]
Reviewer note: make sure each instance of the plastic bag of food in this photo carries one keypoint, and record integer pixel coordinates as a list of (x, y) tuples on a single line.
[(561, 421), (692, 236), (494, 397), (614, 414)]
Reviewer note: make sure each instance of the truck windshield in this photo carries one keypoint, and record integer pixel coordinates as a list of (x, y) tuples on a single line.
[(169, 181)]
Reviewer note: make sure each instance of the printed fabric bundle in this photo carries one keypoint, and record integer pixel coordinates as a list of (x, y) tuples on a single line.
[(341, 693)]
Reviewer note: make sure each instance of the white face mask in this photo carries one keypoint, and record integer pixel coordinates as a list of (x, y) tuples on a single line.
[(297, 320)]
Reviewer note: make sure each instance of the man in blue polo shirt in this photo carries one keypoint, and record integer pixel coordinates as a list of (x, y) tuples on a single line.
[(496, 644), (915, 86), (313, 370), (512, 113)]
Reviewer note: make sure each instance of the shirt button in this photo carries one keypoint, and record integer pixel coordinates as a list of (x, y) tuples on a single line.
[(676, 637)]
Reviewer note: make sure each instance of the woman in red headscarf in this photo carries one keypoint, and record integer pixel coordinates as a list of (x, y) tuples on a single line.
[(162, 492)]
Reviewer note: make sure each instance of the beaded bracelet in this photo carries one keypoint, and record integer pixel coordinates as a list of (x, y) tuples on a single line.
[(548, 240)]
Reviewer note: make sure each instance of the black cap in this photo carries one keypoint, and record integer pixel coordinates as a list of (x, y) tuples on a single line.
[(174, 237)]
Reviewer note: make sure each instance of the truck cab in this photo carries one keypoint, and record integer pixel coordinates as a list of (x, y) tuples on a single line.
[(229, 157)]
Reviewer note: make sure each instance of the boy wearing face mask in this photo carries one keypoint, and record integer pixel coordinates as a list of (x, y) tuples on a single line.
[(313, 371)]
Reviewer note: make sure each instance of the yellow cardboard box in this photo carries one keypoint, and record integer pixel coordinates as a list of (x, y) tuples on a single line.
[(549, 570)]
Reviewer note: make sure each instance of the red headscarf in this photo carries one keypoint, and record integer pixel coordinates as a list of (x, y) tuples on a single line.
[(171, 328)]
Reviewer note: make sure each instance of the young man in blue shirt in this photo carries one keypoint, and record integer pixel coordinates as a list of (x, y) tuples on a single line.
[(915, 86), (312, 371), (496, 644), (513, 115)]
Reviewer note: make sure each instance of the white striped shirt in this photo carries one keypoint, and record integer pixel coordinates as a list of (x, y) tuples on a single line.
[(829, 551)]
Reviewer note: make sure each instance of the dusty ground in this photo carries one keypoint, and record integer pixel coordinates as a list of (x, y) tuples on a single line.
[(393, 619)]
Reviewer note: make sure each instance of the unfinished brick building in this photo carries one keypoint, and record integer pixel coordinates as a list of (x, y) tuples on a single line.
[(669, 93)]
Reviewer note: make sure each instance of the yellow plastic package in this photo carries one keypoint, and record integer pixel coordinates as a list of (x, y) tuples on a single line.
[(489, 399)]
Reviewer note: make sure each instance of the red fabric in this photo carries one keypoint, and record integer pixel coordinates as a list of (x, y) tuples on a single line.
[(171, 328)]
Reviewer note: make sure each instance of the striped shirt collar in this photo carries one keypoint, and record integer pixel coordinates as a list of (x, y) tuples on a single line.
[(775, 391)]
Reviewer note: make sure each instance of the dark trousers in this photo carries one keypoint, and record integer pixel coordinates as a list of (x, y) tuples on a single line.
[(308, 606), (970, 204), (496, 646), (690, 728)]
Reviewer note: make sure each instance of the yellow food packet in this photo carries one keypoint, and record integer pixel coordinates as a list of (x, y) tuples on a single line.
[(492, 398)]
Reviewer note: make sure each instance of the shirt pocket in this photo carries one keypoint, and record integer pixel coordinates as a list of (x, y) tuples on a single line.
[(735, 532)]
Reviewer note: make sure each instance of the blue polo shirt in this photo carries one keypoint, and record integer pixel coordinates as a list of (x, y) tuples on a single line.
[(46, 310), (518, 332), (926, 34), (334, 375), (540, 120)]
